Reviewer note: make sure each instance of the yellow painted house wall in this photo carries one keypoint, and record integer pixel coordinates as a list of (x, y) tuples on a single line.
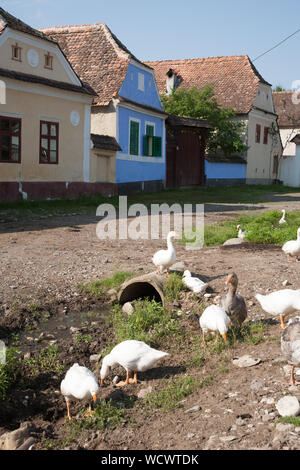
[(32, 108)]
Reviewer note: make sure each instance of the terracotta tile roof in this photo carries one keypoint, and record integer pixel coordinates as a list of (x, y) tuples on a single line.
[(287, 111), (26, 77), (173, 120), (97, 56), (6, 19), (235, 78), (105, 142)]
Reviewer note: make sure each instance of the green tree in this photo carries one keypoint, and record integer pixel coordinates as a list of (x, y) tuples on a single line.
[(227, 133), (279, 88)]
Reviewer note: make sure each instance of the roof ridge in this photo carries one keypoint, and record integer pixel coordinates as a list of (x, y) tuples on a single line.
[(11, 21), (73, 28), (194, 59)]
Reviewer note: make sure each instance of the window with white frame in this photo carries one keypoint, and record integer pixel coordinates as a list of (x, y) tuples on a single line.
[(141, 81)]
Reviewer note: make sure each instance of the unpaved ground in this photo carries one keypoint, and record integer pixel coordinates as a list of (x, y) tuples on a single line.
[(42, 261)]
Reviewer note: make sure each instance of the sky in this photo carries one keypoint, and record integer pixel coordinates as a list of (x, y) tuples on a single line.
[(182, 29)]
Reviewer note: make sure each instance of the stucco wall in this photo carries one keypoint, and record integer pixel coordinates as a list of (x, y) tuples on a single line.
[(223, 170), (61, 69), (260, 155), (130, 90), (104, 120), (103, 166), (289, 148)]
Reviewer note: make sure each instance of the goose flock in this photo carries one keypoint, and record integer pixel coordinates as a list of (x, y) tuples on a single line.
[(136, 356)]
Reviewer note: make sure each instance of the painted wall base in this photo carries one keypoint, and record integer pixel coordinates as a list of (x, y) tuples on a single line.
[(259, 181), (225, 181), (141, 187), (10, 191)]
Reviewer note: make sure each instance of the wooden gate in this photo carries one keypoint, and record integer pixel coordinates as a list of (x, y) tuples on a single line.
[(185, 152)]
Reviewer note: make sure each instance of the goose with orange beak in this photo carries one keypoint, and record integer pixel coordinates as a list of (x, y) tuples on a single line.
[(79, 384), (233, 303)]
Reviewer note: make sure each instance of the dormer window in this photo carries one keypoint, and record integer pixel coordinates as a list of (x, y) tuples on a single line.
[(16, 51), (48, 61)]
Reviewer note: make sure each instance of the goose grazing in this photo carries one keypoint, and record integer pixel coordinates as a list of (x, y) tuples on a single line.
[(134, 356), (163, 259), (193, 283), (290, 346), (79, 384), (214, 318), (292, 247), (282, 302), (282, 220), (233, 303), (241, 234)]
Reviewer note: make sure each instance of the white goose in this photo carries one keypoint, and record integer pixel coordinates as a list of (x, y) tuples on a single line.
[(134, 356), (214, 318), (282, 220), (79, 384), (193, 283), (281, 303), (241, 233), (163, 259), (292, 247)]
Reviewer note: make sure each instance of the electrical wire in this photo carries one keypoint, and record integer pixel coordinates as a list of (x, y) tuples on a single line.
[(274, 47)]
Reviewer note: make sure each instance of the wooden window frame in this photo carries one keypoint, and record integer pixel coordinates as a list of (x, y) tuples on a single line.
[(19, 49), (266, 134), (258, 133), (10, 134), (136, 121), (48, 56), (49, 137)]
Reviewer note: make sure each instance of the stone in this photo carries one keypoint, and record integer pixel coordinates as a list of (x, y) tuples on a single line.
[(194, 409), (257, 384), (235, 241), (74, 330), (95, 357), (288, 406), (144, 392), (284, 427), (128, 308), (227, 438), (246, 361)]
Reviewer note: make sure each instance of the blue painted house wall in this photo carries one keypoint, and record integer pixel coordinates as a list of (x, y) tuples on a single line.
[(130, 90), (222, 172), (139, 168)]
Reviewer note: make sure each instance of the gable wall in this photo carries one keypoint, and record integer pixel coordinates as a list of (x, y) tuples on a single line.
[(61, 70), (130, 89)]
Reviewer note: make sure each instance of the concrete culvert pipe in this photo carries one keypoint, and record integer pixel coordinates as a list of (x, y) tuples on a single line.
[(148, 285)]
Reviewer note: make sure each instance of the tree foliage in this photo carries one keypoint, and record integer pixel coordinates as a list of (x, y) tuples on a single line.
[(227, 133)]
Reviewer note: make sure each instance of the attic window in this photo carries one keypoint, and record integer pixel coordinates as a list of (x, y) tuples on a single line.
[(48, 61), (16, 52), (141, 81)]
